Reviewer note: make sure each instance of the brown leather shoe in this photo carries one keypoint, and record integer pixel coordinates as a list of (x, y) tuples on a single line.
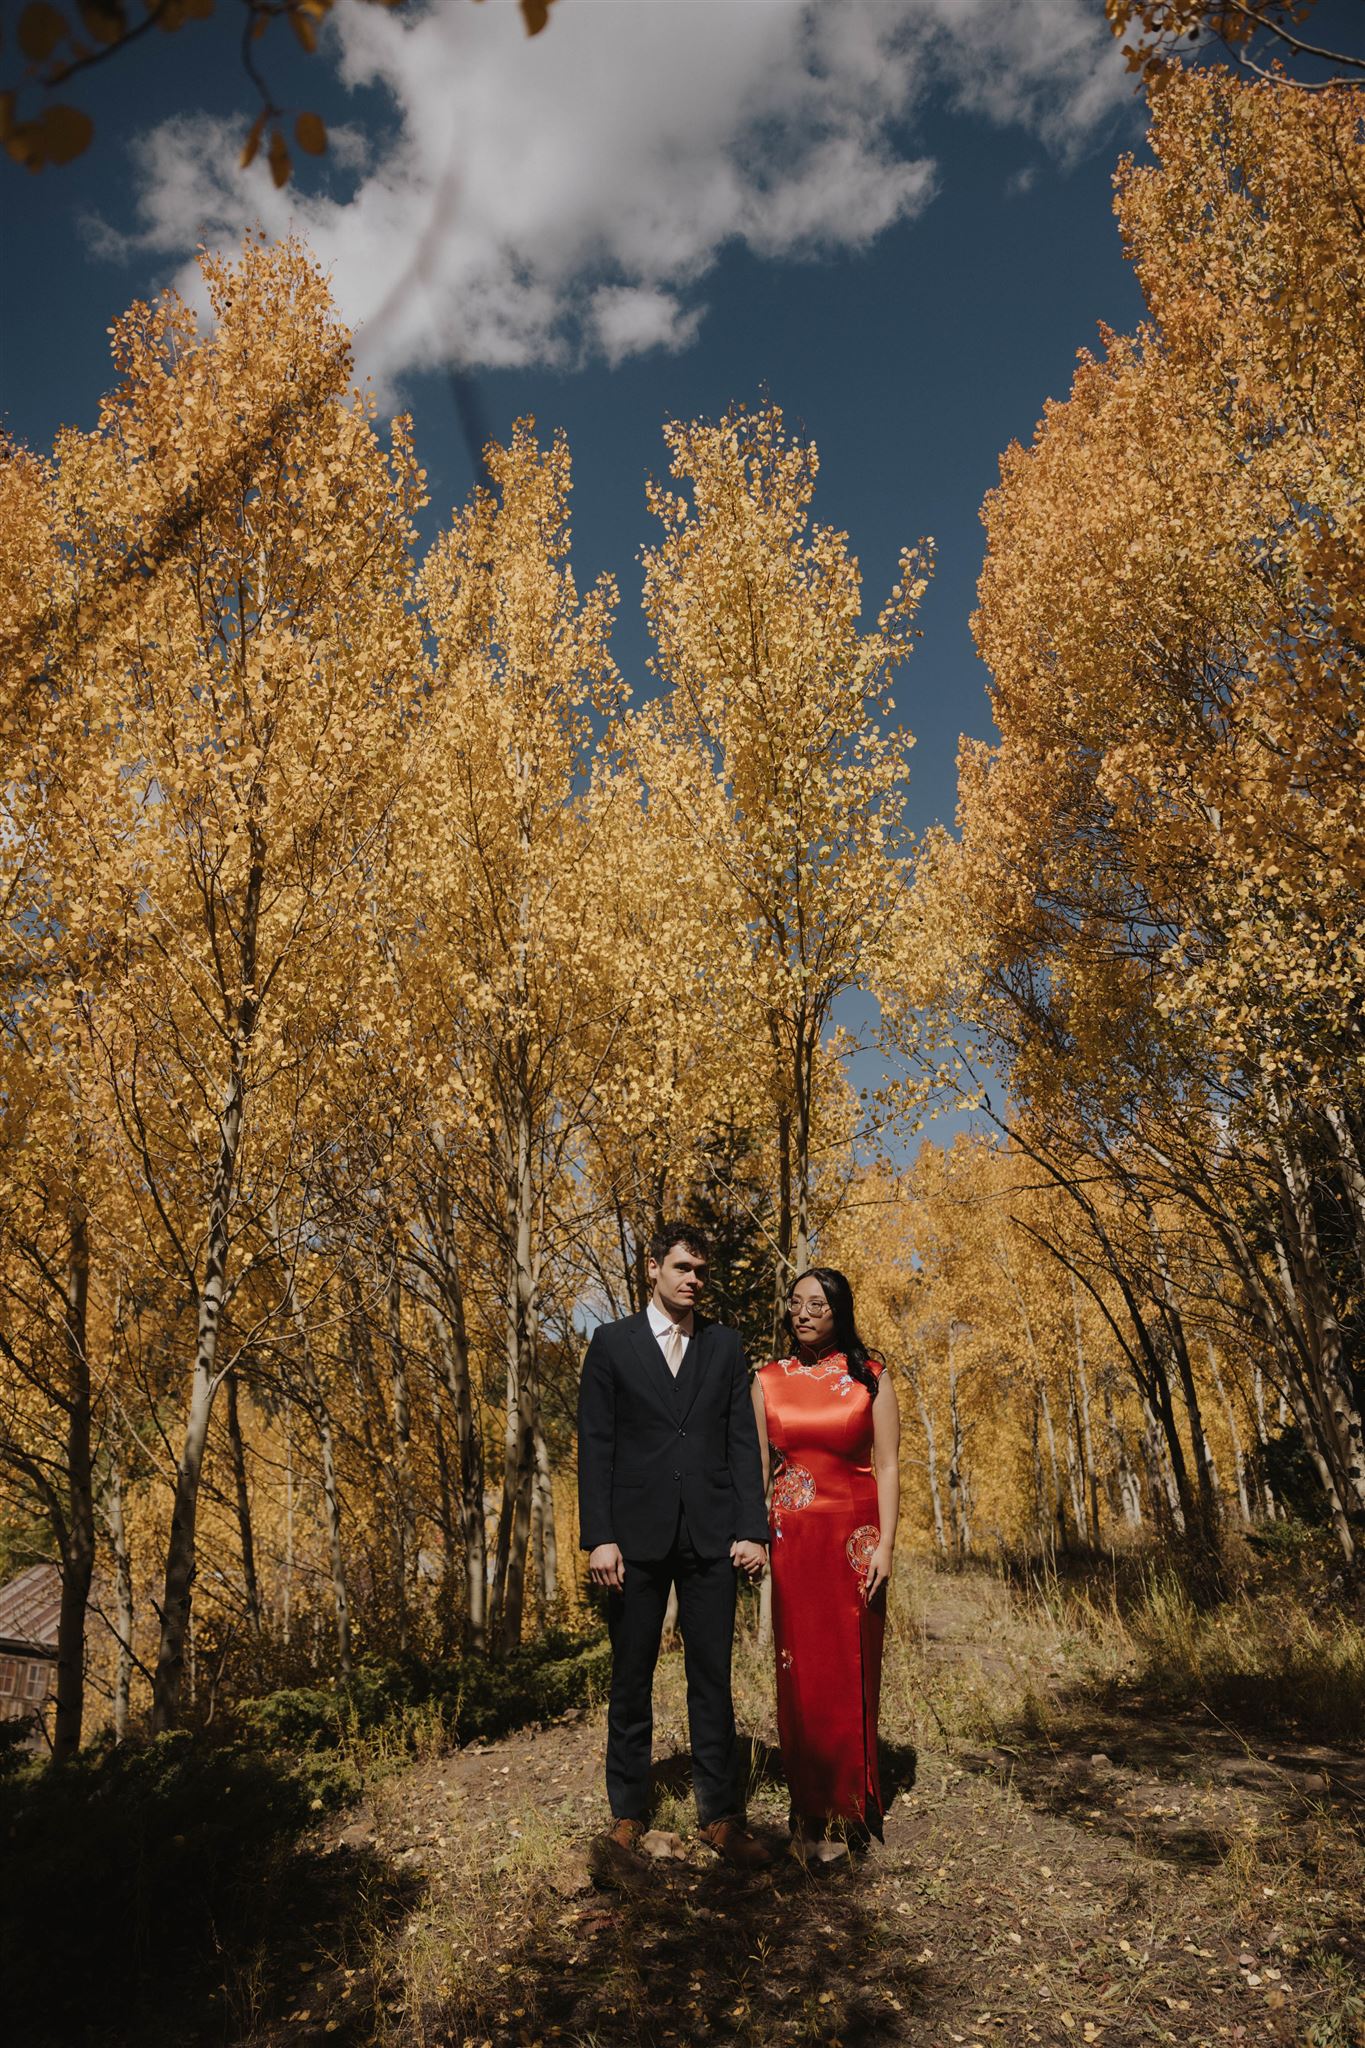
[(625, 1834), (734, 1844)]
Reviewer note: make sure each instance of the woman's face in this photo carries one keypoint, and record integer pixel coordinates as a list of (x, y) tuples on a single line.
[(812, 1317)]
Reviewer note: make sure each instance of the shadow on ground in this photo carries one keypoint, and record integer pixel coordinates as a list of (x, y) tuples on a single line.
[(177, 1895), (760, 1771), (685, 1953), (682, 1951), (1182, 1783)]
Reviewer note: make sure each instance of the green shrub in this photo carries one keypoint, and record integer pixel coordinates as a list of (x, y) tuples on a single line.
[(399, 1700), (14, 1749), (295, 1718), (167, 1865), (1285, 1538), (134, 1859), (534, 1685)]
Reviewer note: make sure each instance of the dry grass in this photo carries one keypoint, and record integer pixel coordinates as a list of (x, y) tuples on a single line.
[(456, 1946), (1260, 1656), (1090, 1853)]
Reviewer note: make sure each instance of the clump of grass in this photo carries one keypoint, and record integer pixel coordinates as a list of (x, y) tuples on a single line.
[(968, 1658), (1281, 1653), (1261, 1657), (439, 1977), (1341, 2023)]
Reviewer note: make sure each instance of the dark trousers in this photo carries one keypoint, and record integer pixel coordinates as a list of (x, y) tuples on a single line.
[(635, 1620)]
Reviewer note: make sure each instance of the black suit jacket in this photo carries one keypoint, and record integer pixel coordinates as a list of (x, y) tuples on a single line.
[(649, 1444)]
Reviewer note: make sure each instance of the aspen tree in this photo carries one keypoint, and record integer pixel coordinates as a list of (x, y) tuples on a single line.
[(677, 1073), (1150, 919), (56, 1268), (242, 560), (508, 897), (755, 611)]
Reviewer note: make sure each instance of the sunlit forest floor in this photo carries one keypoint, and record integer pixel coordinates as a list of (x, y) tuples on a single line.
[(1105, 1829)]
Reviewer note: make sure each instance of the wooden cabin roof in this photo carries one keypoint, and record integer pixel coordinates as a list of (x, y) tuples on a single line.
[(29, 1606)]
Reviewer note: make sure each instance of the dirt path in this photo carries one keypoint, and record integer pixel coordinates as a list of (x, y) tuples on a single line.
[(1115, 1877)]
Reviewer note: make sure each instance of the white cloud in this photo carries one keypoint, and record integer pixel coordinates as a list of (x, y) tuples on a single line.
[(844, 193), (543, 199), (627, 319), (1050, 65)]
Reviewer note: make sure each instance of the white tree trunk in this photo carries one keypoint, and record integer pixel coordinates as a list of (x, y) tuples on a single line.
[(124, 1617), (452, 1346), (180, 1548), (1234, 1434)]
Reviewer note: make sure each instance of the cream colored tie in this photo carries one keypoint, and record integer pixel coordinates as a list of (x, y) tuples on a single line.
[(673, 1343)]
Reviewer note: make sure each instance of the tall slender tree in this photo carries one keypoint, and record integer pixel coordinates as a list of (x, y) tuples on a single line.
[(772, 680)]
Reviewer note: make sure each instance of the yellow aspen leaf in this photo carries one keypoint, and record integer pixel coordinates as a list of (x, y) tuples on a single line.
[(41, 28), (535, 13), (253, 140), (105, 20), (310, 133), (23, 145), (66, 132), (304, 27), (277, 156)]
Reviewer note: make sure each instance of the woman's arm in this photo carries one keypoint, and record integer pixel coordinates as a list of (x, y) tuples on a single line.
[(761, 1419), (886, 1463)]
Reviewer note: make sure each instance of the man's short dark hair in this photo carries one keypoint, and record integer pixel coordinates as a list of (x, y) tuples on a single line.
[(669, 1234)]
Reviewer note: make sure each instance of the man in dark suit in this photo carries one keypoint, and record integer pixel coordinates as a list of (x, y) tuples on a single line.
[(670, 1492)]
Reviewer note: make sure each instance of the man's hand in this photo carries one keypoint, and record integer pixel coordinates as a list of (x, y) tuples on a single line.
[(749, 1558), (607, 1567)]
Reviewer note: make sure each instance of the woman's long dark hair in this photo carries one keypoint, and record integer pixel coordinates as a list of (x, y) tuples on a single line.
[(844, 1336)]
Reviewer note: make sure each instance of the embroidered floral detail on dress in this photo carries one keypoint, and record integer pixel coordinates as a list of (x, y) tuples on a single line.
[(834, 1369), (794, 1487), (786, 1660), (859, 1548)]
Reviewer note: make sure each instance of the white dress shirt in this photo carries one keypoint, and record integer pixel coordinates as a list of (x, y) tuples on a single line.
[(661, 1325)]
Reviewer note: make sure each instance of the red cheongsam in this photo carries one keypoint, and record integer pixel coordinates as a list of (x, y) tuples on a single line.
[(823, 1528)]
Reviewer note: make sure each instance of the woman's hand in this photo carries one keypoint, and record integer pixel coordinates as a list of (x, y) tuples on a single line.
[(878, 1570)]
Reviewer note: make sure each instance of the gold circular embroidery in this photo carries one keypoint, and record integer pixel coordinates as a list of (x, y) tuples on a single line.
[(794, 1487)]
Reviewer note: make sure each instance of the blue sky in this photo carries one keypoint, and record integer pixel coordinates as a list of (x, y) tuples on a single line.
[(891, 216), (912, 355)]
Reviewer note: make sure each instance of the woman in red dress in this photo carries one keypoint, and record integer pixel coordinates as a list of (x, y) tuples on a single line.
[(828, 1416)]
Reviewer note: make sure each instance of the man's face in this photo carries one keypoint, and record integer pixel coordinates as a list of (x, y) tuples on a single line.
[(677, 1278)]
